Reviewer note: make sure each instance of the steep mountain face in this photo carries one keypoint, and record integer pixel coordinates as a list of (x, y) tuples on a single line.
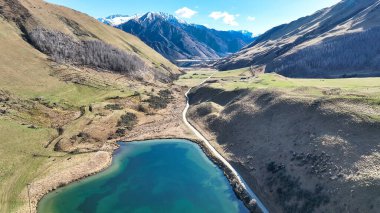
[(175, 39), (334, 42)]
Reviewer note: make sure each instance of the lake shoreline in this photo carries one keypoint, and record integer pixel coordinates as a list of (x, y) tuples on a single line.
[(157, 126), (238, 189), (97, 163), (49, 187), (46, 186)]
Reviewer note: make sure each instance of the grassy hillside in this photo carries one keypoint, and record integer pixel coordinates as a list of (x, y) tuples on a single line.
[(45, 105), (303, 145), (299, 154), (73, 22), (26, 75), (19, 162), (232, 79), (334, 42), (366, 90)]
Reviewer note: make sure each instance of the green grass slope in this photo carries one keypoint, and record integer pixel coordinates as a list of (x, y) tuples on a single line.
[(38, 95)]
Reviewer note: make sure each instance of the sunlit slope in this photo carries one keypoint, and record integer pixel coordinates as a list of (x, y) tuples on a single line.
[(28, 73), (74, 22), (23, 68), (333, 42), (39, 96), (310, 145), (27, 15), (361, 90)]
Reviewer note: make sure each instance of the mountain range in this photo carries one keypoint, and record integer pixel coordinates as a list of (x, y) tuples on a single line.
[(72, 87), (340, 41), (175, 39)]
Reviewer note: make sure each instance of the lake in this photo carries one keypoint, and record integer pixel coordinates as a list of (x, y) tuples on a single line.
[(169, 175)]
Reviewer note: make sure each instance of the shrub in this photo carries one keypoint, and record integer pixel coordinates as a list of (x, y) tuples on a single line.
[(60, 131), (142, 108), (157, 102), (113, 107), (289, 192), (165, 94), (82, 110), (136, 93), (83, 135), (120, 132), (128, 120), (161, 101)]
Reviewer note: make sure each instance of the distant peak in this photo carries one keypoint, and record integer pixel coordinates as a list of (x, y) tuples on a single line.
[(115, 20), (115, 16), (118, 19), (161, 15)]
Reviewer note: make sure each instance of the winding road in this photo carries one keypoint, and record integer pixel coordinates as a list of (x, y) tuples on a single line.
[(217, 154)]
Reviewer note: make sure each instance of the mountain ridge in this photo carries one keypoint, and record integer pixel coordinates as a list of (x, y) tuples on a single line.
[(176, 39), (295, 49)]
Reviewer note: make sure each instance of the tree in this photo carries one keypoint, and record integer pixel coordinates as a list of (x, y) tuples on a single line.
[(94, 53)]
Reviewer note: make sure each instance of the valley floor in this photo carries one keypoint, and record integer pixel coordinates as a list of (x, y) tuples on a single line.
[(70, 138)]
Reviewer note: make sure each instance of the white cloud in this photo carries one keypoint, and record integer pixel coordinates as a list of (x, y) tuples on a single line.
[(251, 18), (185, 12), (227, 18)]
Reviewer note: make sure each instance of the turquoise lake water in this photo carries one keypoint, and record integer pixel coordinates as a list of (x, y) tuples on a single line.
[(158, 176)]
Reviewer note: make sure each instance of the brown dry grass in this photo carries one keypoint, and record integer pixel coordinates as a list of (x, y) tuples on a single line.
[(316, 143)]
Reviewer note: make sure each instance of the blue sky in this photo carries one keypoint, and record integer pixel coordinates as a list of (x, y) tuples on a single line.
[(256, 16)]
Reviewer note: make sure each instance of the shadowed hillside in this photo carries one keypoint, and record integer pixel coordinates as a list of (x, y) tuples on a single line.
[(302, 145), (300, 154)]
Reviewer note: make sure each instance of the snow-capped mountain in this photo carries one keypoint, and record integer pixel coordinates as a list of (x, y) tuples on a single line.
[(115, 20), (176, 39)]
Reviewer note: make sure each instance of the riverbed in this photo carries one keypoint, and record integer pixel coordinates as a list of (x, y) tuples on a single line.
[(169, 175)]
